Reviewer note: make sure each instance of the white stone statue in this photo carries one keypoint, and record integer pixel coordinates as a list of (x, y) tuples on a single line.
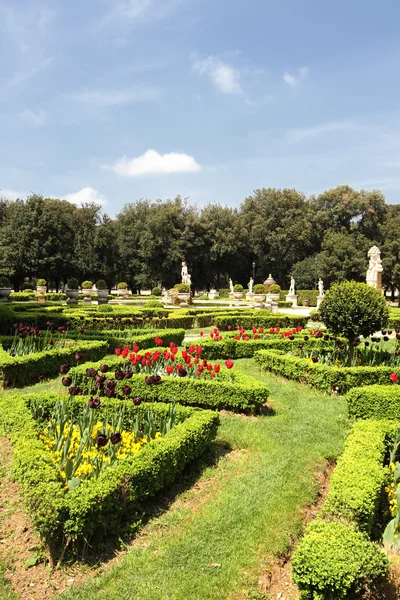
[(231, 285), (250, 284), (189, 279), (321, 287), (184, 272), (292, 287), (375, 269)]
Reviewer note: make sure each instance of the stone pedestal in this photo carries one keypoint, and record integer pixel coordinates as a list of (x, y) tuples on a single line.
[(319, 300), (274, 307), (249, 295), (212, 294), (232, 295), (293, 299), (42, 299)]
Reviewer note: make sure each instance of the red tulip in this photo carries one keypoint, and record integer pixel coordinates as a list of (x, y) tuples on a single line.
[(201, 333), (169, 370), (394, 378), (117, 351), (229, 363), (229, 327), (191, 349), (136, 348), (212, 374), (217, 368)]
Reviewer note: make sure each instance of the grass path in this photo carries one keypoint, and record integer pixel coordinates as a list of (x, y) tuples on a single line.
[(214, 541)]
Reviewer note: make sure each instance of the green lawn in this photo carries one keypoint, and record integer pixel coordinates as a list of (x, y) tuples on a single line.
[(213, 541)]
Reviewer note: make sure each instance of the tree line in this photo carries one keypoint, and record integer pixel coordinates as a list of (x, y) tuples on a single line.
[(282, 231)]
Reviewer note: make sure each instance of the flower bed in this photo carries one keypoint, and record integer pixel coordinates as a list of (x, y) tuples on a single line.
[(25, 370), (374, 402), (259, 319), (117, 339), (70, 515), (336, 557), (329, 379)]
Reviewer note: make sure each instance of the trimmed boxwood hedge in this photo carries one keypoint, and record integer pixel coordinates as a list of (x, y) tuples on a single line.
[(259, 319), (244, 393), (99, 507), (231, 348), (336, 556), (19, 371), (144, 340), (374, 402), (328, 379)]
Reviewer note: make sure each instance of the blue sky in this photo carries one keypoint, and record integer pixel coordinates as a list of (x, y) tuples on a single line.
[(116, 100)]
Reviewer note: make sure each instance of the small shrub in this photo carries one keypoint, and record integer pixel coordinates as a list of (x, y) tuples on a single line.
[(122, 285), (105, 308), (224, 292), (5, 282), (315, 316), (259, 288), (153, 304), (86, 285), (73, 284), (28, 285), (274, 289), (238, 287), (183, 288), (156, 291), (41, 282), (101, 285)]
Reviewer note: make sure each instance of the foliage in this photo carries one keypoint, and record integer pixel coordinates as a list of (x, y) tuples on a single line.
[(257, 319), (333, 561), (183, 288), (328, 379), (305, 272), (238, 287), (354, 309), (259, 288), (87, 285), (315, 316), (101, 285), (156, 291), (224, 292), (73, 284), (274, 289), (41, 282), (122, 285), (153, 304), (374, 402), (28, 285), (105, 308), (4, 282)]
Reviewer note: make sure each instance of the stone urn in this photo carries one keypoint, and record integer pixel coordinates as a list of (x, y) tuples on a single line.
[(123, 293), (5, 294), (238, 295), (41, 289), (273, 297), (103, 296), (212, 294), (183, 296), (259, 297), (269, 281), (72, 296), (87, 292)]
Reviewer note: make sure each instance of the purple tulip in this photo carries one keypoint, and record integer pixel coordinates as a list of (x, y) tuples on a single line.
[(314, 359), (101, 440), (66, 381), (116, 438), (128, 374), (100, 379), (137, 401), (91, 372), (78, 356), (74, 391), (182, 373), (64, 369), (111, 384), (119, 375), (306, 338), (110, 393), (103, 368), (94, 402), (126, 390)]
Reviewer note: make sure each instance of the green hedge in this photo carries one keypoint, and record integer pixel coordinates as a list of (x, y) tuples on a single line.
[(333, 561), (20, 371), (115, 339), (259, 319), (244, 393), (374, 402), (7, 318), (336, 557), (328, 379), (230, 348), (98, 507), (23, 296), (39, 318)]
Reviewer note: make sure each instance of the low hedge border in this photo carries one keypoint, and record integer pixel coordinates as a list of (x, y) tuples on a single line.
[(245, 393), (328, 379), (143, 340), (374, 402), (100, 506), (336, 557), (230, 348), (259, 319), (20, 371)]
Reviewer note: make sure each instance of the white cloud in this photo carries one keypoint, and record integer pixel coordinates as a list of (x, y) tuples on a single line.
[(153, 163), (115, 97), (35, 117), (225, 77), (298, 135), (12, 194), (300, 76), (86, 195)]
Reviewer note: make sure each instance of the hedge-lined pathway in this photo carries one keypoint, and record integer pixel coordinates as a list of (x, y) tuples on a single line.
[(214, 541)]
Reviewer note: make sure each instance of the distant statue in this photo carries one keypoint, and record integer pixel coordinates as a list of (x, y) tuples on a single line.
[(292, 287), (250, 284), (375, 269), (184, 272), (321, 287), (189, 280), (231, 285)]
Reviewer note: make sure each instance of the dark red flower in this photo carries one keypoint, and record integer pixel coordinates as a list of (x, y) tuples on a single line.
[(182, 372), (394, 378), (78, 356), (110, 393), (117, 351), (119, 375), (103, 368), (64, 369), (66, 381), (128, 374), (94, 402), (74, 390), (126, 390), (41, 377), (91, 372), (229, 363), (314, 359), (137, 401), (115, 438), (100, 379), (101, 440)]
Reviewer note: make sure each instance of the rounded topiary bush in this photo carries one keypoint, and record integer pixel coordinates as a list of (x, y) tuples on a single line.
[(156, 291), (259, 288), (28, 285), (122, 285), (86, 285), (41, 282), (274, 289), (153, 304), (101, 284), (72, 284), (238, 287), (4, 282), (105, 308), (352, 309), (183, 288)]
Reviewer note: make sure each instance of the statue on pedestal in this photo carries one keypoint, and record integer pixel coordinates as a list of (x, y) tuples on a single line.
[(250, 284), (321, 287), (292, 287), (231, 285), (375, 269), (184, 272)]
